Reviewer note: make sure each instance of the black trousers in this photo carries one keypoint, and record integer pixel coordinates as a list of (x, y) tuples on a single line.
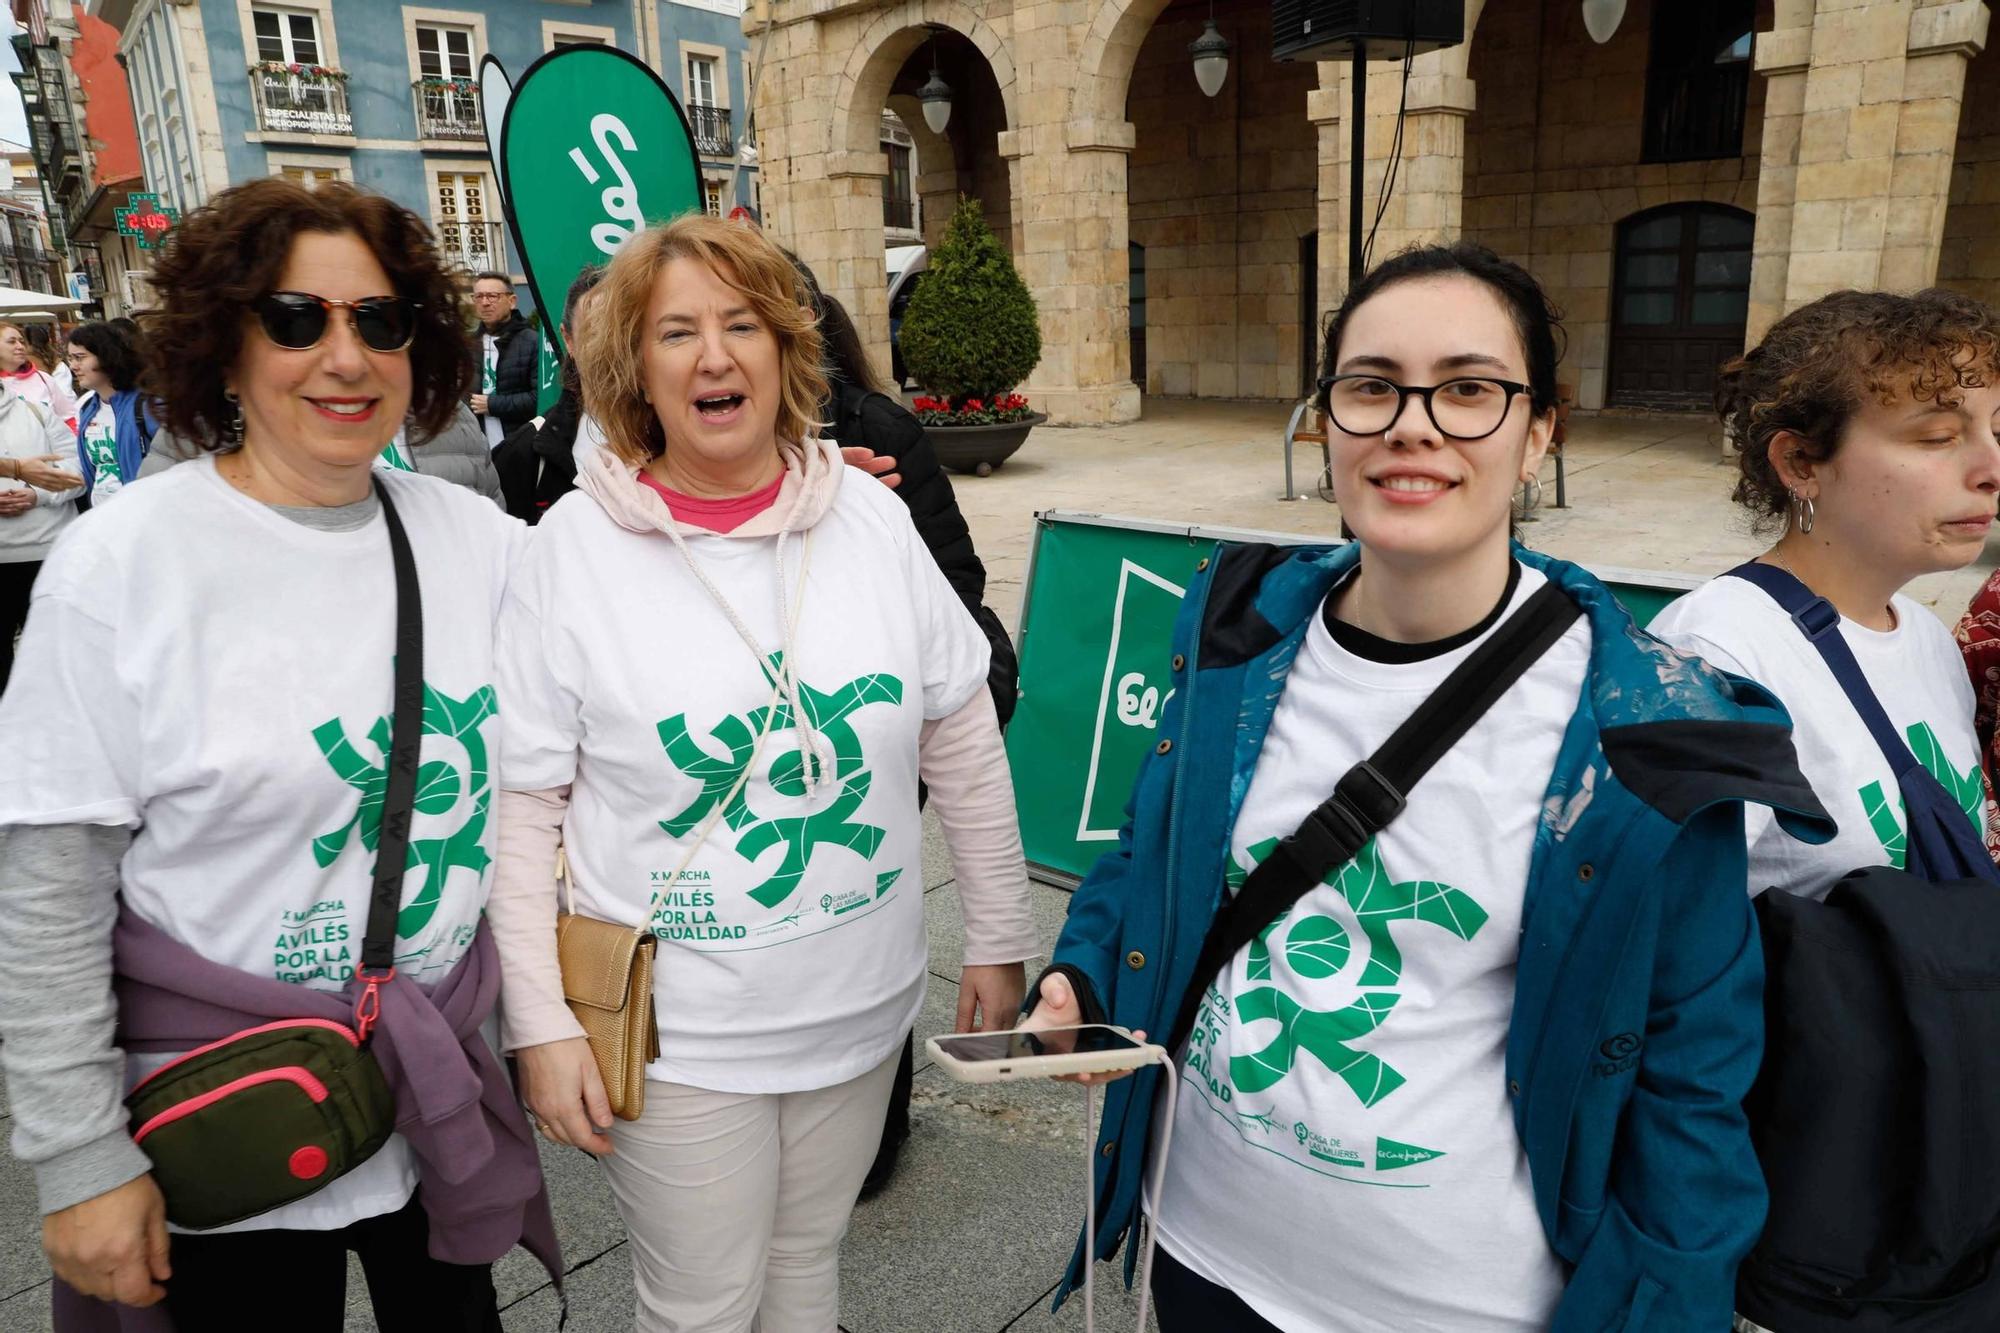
[(297, 1280), (1186, 1303), (17, 580)]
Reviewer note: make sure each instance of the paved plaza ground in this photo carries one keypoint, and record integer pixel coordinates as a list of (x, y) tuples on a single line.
[(972, 1235)]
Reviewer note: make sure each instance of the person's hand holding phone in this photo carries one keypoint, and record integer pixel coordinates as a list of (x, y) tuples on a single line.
[(565, 1093), (1059, 1008)]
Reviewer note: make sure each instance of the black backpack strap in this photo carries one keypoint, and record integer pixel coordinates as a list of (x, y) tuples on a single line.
[(392, 849), (1817, 619), (1373, 792)]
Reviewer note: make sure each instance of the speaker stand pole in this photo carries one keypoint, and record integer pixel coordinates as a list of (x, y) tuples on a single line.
[(1357, 143)]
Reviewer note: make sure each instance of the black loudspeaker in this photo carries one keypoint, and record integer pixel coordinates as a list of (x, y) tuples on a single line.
[(1387, 29)]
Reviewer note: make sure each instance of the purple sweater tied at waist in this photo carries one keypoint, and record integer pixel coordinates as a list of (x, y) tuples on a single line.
[(479, 1176)]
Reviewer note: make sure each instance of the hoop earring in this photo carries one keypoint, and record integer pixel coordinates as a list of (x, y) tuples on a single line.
[(1802, 512), (232, 429)]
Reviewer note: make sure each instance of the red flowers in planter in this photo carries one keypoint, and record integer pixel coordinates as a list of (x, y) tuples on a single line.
[(999, 410)]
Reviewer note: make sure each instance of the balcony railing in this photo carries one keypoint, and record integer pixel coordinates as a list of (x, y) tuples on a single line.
[(473, 246), (298, 104), (710, 124), (448, 109)]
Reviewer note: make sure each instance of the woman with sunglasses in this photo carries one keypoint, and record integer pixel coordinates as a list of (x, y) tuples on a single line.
[(1486, 1073), (221, 644)]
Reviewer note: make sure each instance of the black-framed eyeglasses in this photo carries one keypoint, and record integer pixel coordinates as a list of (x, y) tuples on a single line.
[(297, 320), (1470, 408)]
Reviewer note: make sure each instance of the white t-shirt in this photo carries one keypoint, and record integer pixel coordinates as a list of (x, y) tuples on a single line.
[(792, 947), (100, 445), (1917, 674), (226, 689), (1344, 1155), (489, 371)]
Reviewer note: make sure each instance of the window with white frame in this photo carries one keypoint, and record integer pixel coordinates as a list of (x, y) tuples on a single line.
[(573, 39), (701, 80), (312, 175), (466, 233), (444, 52), (287, 36)]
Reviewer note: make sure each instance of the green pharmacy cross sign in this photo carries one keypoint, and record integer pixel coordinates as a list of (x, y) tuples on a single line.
[(144, 219)]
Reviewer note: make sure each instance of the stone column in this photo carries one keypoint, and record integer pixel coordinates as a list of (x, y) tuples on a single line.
[(1942, 39), (1427, 203), (1882, 95), (1069, 199), (1784, 54)]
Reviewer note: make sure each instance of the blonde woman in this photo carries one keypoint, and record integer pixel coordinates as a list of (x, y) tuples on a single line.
[(727, 666)]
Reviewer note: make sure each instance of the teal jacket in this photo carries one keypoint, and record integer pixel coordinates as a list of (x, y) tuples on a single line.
[(1638, 1018)]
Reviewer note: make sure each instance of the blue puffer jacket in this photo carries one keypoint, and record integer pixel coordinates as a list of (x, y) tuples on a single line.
[(1638, 1020)]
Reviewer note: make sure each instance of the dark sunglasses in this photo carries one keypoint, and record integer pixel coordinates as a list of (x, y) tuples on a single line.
[(297, 320)]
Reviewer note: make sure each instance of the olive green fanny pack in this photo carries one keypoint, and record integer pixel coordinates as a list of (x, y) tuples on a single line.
[(271, 1114)]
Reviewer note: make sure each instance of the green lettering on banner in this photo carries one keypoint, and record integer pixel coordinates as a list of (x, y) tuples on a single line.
[(593, 149), (1097, 678)]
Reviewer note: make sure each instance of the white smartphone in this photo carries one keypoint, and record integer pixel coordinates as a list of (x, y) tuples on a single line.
[(1000, 1057)]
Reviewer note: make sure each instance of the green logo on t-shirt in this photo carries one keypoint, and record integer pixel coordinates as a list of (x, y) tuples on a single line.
[(1317, 947), (830, 715), (1966, 788), (440, 786)]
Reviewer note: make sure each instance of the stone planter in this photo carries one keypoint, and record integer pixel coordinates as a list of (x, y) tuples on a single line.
[(980, 449)]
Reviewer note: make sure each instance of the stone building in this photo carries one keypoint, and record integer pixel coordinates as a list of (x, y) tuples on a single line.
[(1677, 188)]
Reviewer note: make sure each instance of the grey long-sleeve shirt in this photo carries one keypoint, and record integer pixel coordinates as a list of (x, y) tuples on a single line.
[(58, 1020)]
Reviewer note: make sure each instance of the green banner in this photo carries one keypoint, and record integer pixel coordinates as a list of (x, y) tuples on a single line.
[(594, 148), (1095, 639)]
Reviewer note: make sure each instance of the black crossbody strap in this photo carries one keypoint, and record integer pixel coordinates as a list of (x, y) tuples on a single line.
[(1373, 792), (378, 947)]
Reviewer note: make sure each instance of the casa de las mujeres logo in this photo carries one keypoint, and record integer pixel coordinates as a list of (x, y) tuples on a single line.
[(318, 944), (689, 910), (1276, 1007)]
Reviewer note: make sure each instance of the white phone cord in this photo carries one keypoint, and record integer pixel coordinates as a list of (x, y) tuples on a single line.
[(1172, 1078)]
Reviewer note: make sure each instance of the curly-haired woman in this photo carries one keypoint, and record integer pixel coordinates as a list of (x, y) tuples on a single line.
[(219, 645), (1865, 427)]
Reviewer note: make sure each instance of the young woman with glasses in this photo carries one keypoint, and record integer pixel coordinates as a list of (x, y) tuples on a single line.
[(197, 753), (1485, 1075)]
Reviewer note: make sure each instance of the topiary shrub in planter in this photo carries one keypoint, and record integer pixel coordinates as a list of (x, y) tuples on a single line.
[(970, 335)]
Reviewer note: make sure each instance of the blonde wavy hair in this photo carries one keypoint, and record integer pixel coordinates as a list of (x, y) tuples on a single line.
[(611, 354)]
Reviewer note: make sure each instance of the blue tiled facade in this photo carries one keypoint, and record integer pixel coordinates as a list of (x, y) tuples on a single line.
[(367, 128)]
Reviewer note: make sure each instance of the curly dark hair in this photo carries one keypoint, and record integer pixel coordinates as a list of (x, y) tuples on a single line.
[(112, 346), (1818, 364), (228, 253)]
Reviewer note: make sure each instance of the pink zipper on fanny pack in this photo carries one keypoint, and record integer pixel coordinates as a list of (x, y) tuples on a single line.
[(326, 1023), (296, 1075)]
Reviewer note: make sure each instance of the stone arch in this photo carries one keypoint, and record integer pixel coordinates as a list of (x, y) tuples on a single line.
[(881, 51), (1110, 49)]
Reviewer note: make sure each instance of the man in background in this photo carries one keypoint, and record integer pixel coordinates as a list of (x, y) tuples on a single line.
[(508, 351)]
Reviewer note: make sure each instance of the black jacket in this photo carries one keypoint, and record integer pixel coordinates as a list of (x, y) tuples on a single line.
[(537, 464), (876, 421), (512, 401)]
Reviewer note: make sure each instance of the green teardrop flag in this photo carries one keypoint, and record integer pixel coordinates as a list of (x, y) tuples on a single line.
[(594, 148)]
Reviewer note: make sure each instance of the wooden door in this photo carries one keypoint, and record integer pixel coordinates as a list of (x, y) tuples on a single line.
[(1681, 295)]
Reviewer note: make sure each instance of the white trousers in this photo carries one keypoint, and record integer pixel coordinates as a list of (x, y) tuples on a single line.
[(735, 1203)]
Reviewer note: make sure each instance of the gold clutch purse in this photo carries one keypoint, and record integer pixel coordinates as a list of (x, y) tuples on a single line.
[(607, 979), (607, 969)]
